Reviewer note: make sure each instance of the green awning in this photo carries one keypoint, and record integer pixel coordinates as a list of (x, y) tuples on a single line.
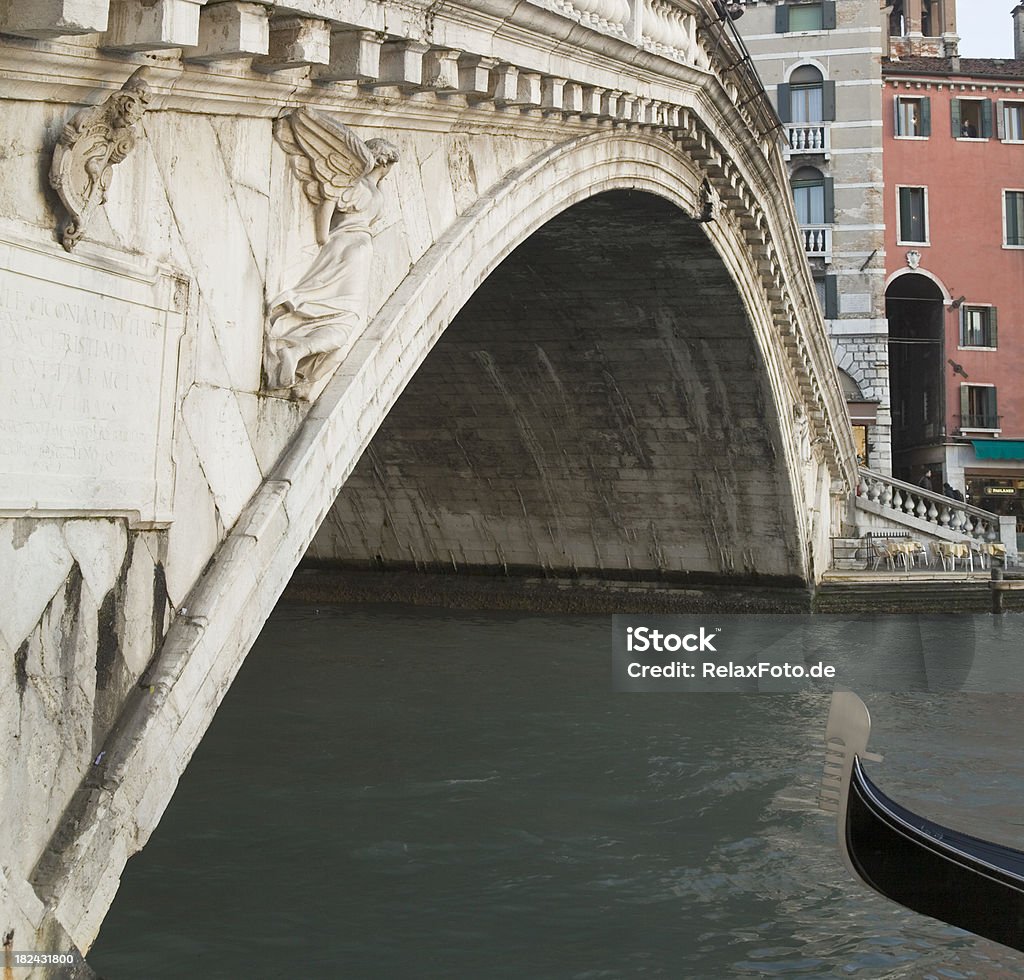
[(998, 448)]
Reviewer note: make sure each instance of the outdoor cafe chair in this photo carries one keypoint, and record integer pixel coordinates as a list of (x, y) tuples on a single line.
[(950, 551), (882, 551)]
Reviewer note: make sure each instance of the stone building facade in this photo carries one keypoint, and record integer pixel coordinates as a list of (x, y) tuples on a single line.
[(822, 63)]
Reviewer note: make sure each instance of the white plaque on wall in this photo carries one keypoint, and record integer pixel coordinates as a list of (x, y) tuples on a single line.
[(88, 376), (855, 303)]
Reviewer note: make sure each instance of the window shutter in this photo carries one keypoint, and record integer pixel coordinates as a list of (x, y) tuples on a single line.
[(785, 103), (1010, 209), (926, 116), (828, 102), (830, 200), (1001, 119), (986, 119), (963, 325), (896, 116), (831, 297), (828, 15), (781, 19), (993, 332), (906, 229), (955, 121)]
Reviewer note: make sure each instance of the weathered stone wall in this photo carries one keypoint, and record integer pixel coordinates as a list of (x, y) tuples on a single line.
[(598, 406)]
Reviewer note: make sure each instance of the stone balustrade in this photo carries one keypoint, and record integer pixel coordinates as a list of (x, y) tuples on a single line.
[(671, 31), (808, 138), (817, 239), (604, 15), (901, 498)]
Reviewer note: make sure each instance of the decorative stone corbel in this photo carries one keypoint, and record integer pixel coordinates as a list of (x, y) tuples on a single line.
[(91, 144)]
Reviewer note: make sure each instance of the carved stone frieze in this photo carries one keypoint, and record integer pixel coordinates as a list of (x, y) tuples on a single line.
[(92, 143)]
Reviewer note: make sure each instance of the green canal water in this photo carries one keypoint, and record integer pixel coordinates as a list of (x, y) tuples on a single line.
[(393, 792)]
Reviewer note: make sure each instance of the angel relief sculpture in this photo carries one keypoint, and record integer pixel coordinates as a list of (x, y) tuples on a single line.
[(312, 325)]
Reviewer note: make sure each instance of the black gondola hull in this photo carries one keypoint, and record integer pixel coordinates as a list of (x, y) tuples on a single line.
[(959, 879)]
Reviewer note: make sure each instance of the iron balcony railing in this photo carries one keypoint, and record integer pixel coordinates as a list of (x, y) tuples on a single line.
[(981, 421)]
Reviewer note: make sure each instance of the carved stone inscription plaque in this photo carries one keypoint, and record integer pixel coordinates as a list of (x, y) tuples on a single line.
[(88, 365)]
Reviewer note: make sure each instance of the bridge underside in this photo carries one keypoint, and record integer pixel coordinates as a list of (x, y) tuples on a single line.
[(597, 407)]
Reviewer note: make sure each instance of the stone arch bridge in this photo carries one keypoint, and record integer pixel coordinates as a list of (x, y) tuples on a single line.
[(591, 346)]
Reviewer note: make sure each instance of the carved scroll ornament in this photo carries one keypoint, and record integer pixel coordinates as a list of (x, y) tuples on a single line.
[(312, 325), (92, 143)]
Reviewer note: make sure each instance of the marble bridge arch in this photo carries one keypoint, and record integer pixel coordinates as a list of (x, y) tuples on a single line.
[(520, 127), (600, 405)]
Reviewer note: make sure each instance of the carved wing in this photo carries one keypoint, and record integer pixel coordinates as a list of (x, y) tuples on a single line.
[(327, 157)]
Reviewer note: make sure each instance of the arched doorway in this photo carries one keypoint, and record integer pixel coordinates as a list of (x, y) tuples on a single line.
[(914, 307)]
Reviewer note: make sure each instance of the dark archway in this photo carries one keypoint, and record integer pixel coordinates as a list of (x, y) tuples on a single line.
[(914, 306), (598, 406)]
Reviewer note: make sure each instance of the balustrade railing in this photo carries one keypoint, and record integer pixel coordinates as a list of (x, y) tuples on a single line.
[(604, 14), (808, 138), (905, 499), (668, 29), (817, 239), (661, 26)]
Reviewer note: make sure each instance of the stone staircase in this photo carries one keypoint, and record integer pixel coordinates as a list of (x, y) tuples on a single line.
[(886, 507)]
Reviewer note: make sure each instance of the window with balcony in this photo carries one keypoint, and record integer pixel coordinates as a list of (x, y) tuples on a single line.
[(971, 119), (978, 407), (913, 215), (813, 197), (806, 91), (806, 103), (1011, 121), (913, 117), (978, 326), (793, 17), (809, 196), (1013, 219)]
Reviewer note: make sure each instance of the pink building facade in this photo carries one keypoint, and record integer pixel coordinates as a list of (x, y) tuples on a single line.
[(953, 163)]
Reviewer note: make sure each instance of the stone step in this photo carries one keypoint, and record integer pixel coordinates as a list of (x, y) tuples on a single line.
[(910, 594)]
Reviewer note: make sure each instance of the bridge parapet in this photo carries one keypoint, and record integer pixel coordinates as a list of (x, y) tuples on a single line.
[(668, 66), (476, 49)]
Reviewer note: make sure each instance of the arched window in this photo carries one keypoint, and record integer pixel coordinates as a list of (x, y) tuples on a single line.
[(806, 95), (809, 196)]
